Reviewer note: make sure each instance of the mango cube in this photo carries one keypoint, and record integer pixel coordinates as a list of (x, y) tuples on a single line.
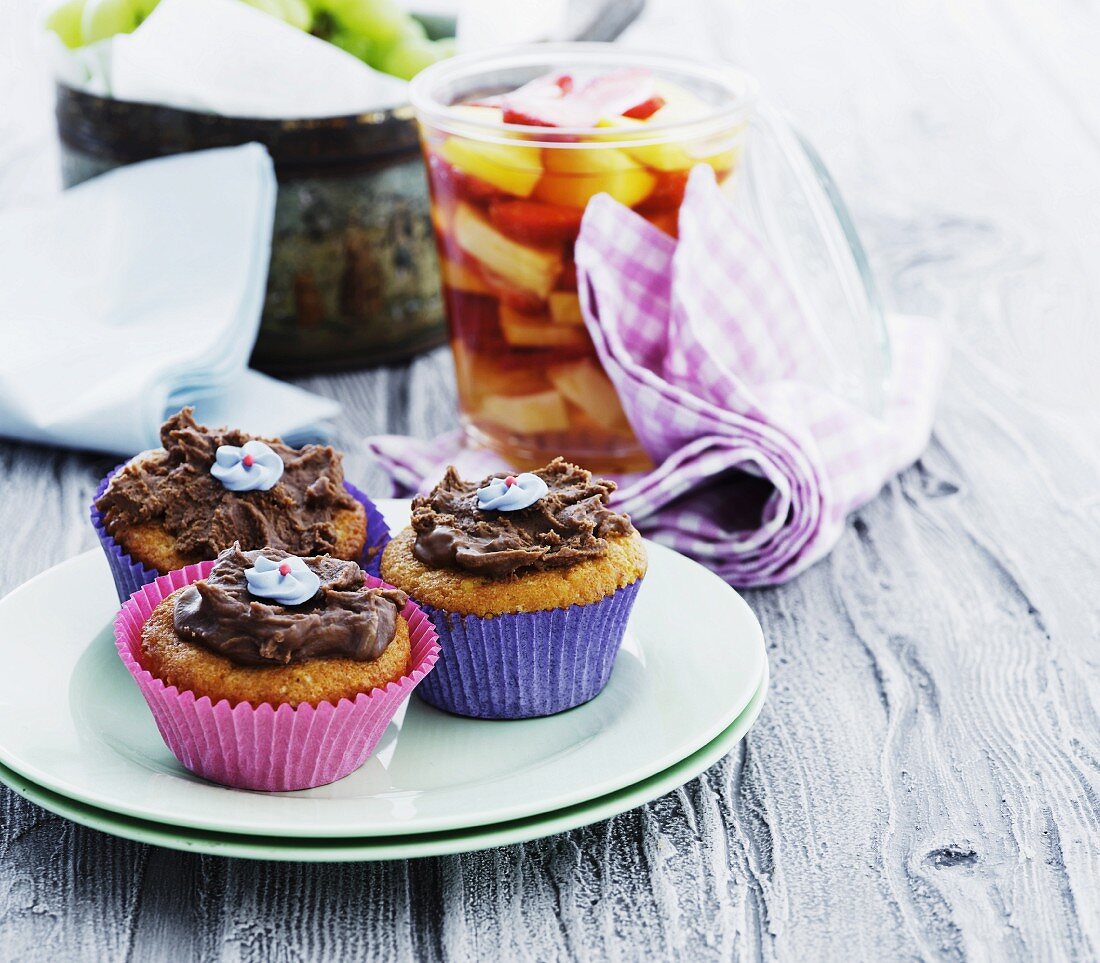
[(512, 168), (574, 175), (528, 268), (544, 411)]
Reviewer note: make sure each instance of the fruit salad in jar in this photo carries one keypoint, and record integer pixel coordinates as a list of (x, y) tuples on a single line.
[(513, 157)]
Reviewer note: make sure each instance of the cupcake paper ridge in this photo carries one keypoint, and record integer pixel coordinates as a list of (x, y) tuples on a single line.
[(267, 747), (520, 665)]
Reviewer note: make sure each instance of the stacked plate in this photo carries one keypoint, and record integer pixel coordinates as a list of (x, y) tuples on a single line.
[(76, 737)]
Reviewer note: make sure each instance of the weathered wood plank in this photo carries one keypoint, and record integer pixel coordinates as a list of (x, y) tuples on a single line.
[(923, 780)]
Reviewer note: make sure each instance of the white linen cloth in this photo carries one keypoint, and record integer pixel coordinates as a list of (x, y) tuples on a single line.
[(137, 292), (226, 57)]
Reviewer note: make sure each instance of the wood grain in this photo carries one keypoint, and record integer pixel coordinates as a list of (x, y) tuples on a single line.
[(922, 782)]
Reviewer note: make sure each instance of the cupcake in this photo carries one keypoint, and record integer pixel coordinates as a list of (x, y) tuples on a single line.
[(266, 670), (529, 580), (207, 489)]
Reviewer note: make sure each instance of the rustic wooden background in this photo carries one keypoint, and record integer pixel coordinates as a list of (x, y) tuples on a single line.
[(923, 782)]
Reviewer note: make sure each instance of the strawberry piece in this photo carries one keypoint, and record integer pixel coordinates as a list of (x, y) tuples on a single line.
[(646, 109), (513, 116), (667, 193), (542, 87), (548, 101), (667, 221), (568, 279), (556, 101), (532, 222), (447, 179), (475, 320), (615, 93), (571, 111)]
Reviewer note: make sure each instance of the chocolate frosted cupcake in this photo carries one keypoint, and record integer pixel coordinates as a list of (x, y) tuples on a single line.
[(266, 626), (270, 671), (529, 580), (207, 489)]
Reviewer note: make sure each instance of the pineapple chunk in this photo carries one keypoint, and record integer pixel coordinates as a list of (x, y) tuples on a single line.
[(532, 331), (544, 411), (462, 278), (576, 175), (565, 308), (584, 384), (528, 268), (661, 157), (681, 154), (512, 168)]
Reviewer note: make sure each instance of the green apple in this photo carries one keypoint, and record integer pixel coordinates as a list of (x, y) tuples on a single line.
[(294, 12), (298, 14), (105, 18), (64, 20), (408, 58), (382, 22), (354, 44)]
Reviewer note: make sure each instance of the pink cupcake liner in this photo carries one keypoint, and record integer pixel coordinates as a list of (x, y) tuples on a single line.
[(264, 747), (129, 575), (526, 664)]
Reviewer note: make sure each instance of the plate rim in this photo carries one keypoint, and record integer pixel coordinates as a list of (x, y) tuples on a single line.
[(399, 846), (318, 828)]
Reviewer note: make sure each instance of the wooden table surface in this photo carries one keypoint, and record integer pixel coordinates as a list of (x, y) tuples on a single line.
[(923, 781)]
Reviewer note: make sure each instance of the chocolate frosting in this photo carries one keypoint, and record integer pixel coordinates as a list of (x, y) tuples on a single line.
[(173, 487), (569, 524), (343, 620)]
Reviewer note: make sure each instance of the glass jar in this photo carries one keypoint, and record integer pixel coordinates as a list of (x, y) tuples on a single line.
[(507, 202)]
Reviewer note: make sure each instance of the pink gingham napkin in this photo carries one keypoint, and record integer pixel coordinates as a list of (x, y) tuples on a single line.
[(758, 461)]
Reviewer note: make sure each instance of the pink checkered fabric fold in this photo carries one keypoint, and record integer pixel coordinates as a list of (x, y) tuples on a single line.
[(758, 461)]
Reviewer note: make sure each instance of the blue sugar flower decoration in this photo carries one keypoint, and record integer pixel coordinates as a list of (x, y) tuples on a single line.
[(252, 467), (288, 582), (512, 493)]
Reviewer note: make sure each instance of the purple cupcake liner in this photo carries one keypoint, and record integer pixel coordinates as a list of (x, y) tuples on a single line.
[(130, 575), (378, 533), (526, 664)]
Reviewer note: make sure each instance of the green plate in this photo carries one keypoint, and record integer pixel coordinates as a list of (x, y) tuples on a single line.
[(396, 847)]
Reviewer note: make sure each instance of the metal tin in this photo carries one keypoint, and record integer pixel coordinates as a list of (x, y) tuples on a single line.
[(354, 278)]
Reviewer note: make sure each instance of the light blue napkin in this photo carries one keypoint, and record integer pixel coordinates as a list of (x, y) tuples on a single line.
[(136, 293)]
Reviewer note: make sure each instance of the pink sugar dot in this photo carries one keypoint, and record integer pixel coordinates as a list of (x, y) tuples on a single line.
[(248, 461), (284, 569), (510, 480)]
